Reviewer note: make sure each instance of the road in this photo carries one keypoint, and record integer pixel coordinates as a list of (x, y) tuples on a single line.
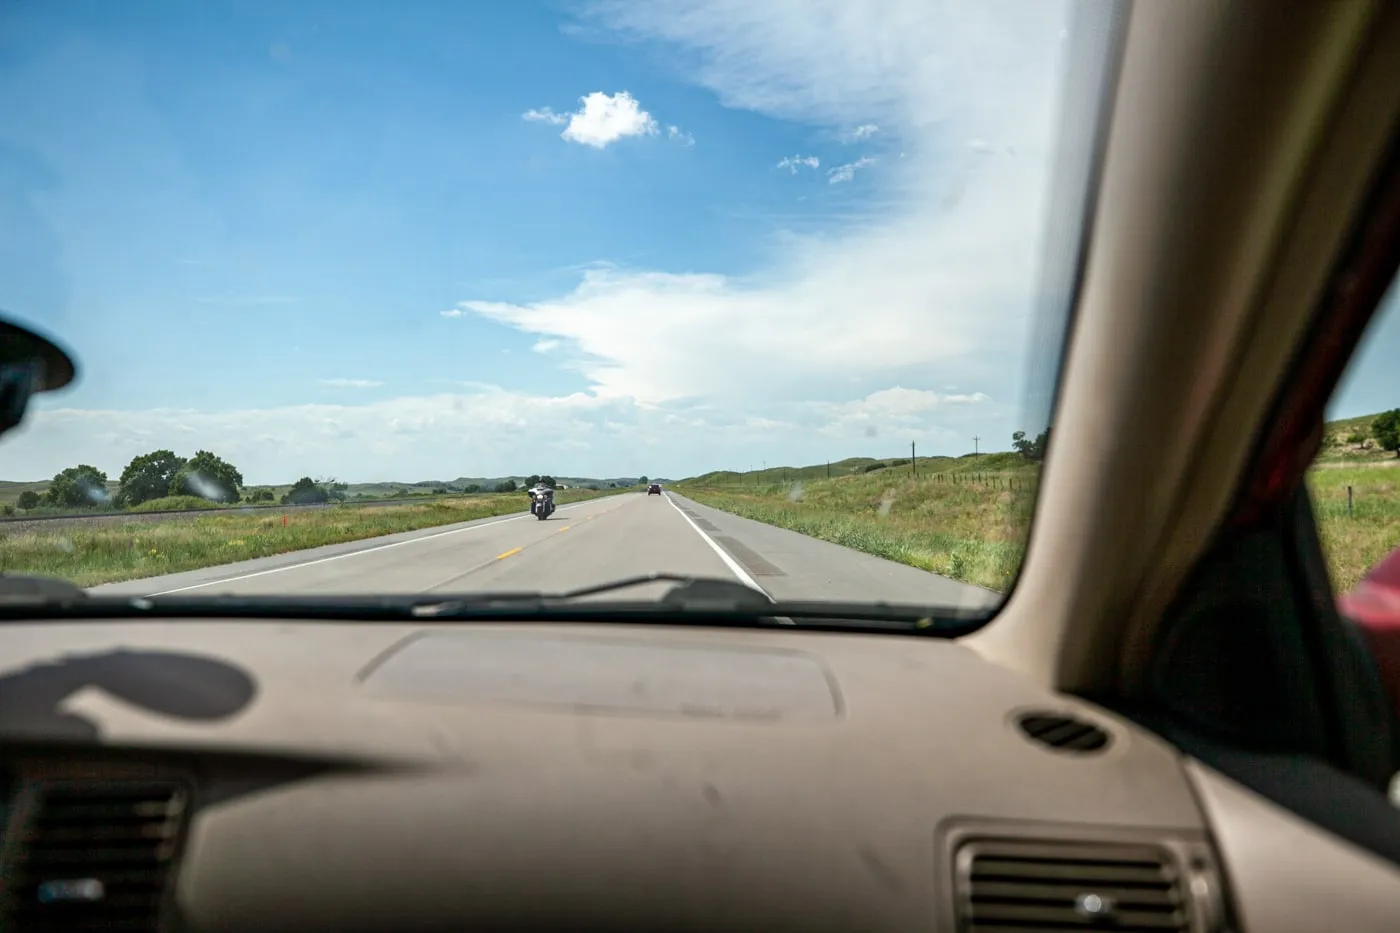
[(581, 544)]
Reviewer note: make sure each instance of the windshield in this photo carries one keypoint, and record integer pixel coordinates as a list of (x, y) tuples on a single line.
[(345, 283)]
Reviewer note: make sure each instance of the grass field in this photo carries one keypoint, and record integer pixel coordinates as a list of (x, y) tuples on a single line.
[(1354, 543), (967, 518), (963, 518), (132, 550)]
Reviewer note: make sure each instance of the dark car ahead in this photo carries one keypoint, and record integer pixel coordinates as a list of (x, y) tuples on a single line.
[(654, 489)]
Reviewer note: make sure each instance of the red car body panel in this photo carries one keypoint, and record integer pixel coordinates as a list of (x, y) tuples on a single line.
[(1374, 605)]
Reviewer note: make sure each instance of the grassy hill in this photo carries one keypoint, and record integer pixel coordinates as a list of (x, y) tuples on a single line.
[(1349, 441), (967, 517), (962, 517)]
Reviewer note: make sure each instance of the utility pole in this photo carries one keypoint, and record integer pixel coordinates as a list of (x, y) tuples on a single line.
[(913, 459), (975, 451), (828, 469)]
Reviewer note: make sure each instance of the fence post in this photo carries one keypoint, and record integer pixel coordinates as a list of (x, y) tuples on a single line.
[(1348, 502)]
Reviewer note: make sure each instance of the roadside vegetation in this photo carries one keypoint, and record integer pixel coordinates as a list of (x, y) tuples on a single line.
[(92, 554), (961, 517), (967, 517)]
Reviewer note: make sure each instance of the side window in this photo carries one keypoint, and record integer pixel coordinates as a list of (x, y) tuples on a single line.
[(1355, 487), (1355, 480)]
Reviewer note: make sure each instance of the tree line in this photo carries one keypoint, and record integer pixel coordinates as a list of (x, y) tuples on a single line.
[(163, 474)]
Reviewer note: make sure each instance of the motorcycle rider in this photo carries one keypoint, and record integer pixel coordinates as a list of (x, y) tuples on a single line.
[(548, 493)]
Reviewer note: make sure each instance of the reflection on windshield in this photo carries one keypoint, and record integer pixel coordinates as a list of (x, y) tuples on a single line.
[(462, 301)]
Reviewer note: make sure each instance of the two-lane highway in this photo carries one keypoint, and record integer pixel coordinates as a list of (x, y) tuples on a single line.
[(581, 544)]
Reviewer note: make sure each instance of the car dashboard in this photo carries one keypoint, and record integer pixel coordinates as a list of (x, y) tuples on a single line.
[(233, 776)]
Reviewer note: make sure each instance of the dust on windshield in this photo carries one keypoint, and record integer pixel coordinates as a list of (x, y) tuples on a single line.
[(465, 298)]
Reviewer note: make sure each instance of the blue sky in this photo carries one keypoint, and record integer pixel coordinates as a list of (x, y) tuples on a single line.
[(431, 239)]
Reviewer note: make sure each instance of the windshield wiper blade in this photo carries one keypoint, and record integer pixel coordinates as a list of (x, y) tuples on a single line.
[(42, 591), (691, 593), (693, 601)]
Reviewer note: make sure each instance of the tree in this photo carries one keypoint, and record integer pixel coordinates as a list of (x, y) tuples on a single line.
[(549, 481), (533, 481), (642, 481), (336, 491), (472, 487), (305, 492), (148, 477), (207, 476), (29, 499), (1386, 430), (261, 494), (1031, 450), (78, 486), (506, 486)]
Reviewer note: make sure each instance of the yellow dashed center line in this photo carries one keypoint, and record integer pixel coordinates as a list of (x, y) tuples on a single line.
[(514, 550), (566, 528)]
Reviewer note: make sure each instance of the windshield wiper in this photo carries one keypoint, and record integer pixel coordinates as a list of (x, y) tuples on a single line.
[(692, 601), (40, 591), (690, 593)]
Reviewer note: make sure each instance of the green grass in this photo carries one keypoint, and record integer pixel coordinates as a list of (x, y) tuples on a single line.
[(967, 518), (964, 518), (1354, 543), (117, 551)]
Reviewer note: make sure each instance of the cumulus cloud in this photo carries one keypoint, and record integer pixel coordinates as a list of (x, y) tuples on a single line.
[(792, 163), (451, 312), (350, 383), (601, 119), (842, 173), (676, 134), (936, 279)]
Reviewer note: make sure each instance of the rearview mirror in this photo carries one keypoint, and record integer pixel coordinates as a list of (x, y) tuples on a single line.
[(29, 364)]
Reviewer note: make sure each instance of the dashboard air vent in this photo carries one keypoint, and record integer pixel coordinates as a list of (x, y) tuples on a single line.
[(1006, 886), (1062, 732), (94, 857)]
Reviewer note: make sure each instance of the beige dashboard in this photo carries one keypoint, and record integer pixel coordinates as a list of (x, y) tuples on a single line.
[(268, 776)]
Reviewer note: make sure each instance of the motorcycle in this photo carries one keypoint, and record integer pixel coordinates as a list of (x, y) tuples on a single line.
[(541, 503)]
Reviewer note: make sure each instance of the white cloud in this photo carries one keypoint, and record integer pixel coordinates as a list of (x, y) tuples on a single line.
[(842, 173), (936, 281), (791, 163), (676, 134), (545, 115), (350, 383), (602, 119), (834, 346), (545, 346), (864, 131)]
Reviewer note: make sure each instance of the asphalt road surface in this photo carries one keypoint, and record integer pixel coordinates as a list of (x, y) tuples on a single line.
[(581, 544)]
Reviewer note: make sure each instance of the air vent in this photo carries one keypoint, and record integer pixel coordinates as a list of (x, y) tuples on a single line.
[(95, 857), (1014, 886), (1065, 733)]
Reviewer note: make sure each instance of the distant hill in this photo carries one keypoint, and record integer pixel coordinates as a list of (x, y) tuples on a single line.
[(1349, 440), (1345, 440), (995, 462)]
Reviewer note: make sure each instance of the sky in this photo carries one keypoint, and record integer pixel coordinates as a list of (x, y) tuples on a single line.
[(425, 240)]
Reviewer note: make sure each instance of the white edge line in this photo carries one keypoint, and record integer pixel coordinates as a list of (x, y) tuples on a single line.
[(368, 550), (729, 562)]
